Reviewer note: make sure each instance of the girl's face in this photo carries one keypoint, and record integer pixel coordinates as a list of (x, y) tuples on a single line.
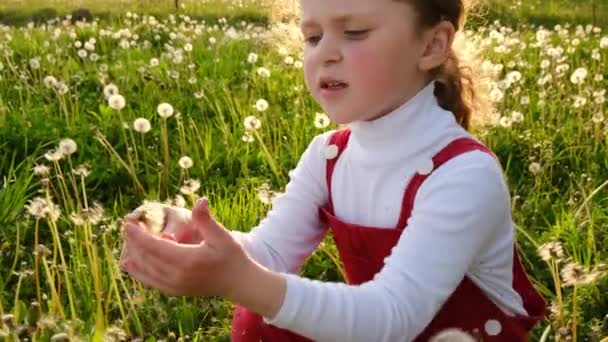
[(361, 59)]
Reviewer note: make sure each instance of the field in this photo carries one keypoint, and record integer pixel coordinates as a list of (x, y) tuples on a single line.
[(213, 106)]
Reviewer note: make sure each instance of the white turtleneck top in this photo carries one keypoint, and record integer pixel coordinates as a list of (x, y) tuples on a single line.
[(461, 224)]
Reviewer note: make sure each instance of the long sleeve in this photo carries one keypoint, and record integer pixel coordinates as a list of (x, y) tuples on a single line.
[(292, 228), (460, 209)]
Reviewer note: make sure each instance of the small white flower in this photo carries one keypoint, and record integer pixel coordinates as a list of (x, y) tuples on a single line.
[(525, 100), (41, 170), (185, 162), (165, 110), (598, 118), (289, 60), (50, 81), (212, 40), (109, 90), (82, 53), (252, 123), (248, 137), (578, 76), (68, 146), (604, 43), (190, 187), (35, 63), (298, 64), (261, 105), (534, 168), (505, 122), (188, 47), (517, 116), (142, 125), (263, 72), (321, 120), (54, 155), (252, 58), (154, 62), (117, 102)]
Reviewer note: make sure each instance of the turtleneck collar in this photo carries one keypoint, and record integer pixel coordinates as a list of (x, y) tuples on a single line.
[(402, 133)]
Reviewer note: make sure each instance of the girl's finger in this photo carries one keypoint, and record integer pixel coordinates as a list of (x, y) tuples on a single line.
[(148, 280)]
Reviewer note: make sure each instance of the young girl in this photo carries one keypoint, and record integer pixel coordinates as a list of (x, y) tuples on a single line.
[(418, 208)]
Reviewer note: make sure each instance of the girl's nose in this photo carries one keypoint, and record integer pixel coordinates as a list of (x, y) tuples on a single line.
[(329, 51)]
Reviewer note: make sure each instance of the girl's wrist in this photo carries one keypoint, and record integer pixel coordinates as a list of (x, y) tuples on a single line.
[(258, 289)]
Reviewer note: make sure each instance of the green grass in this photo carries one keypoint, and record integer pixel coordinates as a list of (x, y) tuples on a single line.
[(555, 160), (547, 12)]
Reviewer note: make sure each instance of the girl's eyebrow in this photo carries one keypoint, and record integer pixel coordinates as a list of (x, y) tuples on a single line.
[(340, 20)]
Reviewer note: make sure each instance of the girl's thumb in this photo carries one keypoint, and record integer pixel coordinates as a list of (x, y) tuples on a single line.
[(202, 219)]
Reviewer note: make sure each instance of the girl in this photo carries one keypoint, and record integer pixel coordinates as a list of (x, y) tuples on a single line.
[(418, 208)]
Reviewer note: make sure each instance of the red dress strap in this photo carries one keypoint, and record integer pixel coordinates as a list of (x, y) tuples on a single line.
[(340, 139), (453, 149)]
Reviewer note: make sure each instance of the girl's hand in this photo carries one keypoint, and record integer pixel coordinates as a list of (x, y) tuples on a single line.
[(213, 266), (179, 226)]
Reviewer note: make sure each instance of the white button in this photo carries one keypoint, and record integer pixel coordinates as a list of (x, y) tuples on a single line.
[(426, 167), (330, 152), (493, 327)]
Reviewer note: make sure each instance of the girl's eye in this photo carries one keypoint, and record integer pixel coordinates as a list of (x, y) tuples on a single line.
[(312, 40), (357, 34)]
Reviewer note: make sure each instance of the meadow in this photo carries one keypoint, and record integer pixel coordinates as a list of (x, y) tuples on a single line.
[(170, 105)]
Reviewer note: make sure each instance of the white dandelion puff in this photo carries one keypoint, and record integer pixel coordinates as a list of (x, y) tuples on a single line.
[(261, 105), (185, 162), (252, 58), (578, 76), (68, 146), (263, 72), (109, 90), (142, 125), (54, 155), (164, 110), (252, 123), (321, 120), (117, 102), (534, 168)]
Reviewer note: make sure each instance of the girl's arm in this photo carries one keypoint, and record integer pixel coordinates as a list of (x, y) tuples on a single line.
[(459, 210), (292, 229)]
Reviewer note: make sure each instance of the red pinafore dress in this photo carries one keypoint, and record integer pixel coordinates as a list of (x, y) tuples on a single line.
[(363, 250)]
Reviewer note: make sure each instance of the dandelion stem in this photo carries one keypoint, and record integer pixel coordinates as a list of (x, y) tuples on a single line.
[(17, 290), (107, 145), (165, 142), (269, 158), (113, 274), (574, 313), (55, 233), (54, 294), (73, 181), (37, 262)]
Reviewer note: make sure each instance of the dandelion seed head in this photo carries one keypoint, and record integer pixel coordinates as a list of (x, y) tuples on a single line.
[(117, 102), (252, 58), (164, 110), (109, 90), (50, 82), (261, 105), (552, 250), (41, 170), (321, 120), (252, 123), (185, 162), (54, 155), (142, 125), (68, 146)]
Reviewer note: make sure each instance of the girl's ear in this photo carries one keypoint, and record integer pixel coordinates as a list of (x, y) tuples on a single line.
[(438, 45)]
